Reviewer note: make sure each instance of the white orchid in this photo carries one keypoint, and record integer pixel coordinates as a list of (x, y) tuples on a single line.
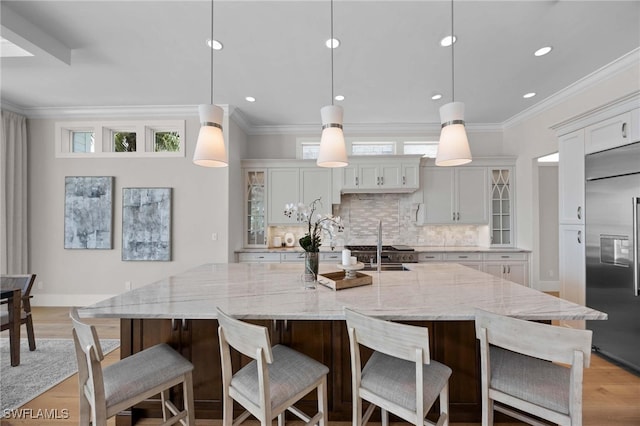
[(328, 223)]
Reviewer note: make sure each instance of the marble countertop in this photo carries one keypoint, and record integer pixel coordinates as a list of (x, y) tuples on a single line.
[(431, 291), (434, 249)]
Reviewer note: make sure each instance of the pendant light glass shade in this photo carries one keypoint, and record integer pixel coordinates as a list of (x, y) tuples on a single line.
[(333, 152), (453, 148), (210, 150)]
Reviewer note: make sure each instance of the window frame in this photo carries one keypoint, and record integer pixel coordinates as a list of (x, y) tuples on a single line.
[(398, 141), (103, 139)]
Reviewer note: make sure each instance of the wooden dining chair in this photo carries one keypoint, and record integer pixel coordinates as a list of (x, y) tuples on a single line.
[(533, 367), (26, 283), (400, 377), (104, 392), (273, 382)]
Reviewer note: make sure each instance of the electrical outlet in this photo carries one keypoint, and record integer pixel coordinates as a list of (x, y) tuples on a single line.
[(214, 236), (40, 285), (127, 285)]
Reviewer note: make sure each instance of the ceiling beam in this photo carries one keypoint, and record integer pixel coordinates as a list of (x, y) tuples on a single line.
[(23, 33)]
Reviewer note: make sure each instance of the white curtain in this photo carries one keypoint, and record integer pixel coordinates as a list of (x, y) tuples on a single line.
[(13, 194)]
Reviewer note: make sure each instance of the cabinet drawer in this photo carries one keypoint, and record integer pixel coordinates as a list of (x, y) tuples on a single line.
[(505, 256), (429, 257), (292, 257), (462, 256), (259, 257), (331, 257)]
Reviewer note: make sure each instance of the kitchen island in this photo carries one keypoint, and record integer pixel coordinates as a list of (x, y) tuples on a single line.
[(180, 310)]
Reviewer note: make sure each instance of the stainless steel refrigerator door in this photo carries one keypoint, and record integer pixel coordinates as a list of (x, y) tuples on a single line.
[(610, 267)]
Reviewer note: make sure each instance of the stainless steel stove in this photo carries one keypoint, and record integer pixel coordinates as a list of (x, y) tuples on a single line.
[(392, 257)]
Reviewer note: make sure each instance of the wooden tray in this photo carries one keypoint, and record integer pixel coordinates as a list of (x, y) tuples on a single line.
[(337, 281)]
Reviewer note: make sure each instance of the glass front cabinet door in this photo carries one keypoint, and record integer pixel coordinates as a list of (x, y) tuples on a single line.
[(256, 234), (501, 207)]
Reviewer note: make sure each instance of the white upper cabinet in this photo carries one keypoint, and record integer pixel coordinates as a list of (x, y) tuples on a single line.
[(294, 185), (456, 195), (613, 132), (571, 178), (380, 174), (283, 188)]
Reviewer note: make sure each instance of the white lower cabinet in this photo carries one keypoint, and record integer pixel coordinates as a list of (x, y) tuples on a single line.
[(572, 263), (470, 259), (258, 257), (509, 266)]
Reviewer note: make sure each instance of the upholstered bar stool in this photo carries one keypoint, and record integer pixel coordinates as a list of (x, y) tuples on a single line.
[(400, 377), (106, 392), (520, 368), (268, 386)]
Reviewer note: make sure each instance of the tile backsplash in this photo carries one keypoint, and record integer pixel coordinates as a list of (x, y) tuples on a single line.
[(360, 214)]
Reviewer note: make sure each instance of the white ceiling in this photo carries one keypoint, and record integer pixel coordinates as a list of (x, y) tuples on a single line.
[(153, 53)]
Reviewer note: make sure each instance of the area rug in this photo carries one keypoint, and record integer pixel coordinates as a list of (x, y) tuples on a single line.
[(53, 361)]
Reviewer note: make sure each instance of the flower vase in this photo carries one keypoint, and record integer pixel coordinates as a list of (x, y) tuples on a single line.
[(311, 263)]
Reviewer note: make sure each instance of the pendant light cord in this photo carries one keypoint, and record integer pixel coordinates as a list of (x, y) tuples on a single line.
[(332, 47), (453, 42), (211, 49)]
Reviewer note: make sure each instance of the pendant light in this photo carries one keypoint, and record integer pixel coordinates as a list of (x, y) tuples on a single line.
[(210, 150), (333, 152), (453, 148)]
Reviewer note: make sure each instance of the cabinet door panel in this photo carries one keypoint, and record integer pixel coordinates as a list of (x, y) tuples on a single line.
[(572, 264), (284, 188), (368, 176), (316, 183), (391, 176), (411, 176), (571, 178), (438, 195), (473, 198), (607, 134)]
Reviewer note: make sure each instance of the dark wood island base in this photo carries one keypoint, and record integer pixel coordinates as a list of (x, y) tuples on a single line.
[(452, 343)]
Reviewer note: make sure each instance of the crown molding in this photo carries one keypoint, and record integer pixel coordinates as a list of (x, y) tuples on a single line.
[(619, 65)]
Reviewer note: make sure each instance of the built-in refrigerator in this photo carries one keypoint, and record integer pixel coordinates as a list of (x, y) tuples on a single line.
[(611, 215)]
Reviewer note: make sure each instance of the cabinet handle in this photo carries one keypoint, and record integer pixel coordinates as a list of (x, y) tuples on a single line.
[(458, 216), (381, 180), (579, 213), (454, 216), (356, 180), (579, 237), (505, 257), (508, 269), (260, 257), (624, 130), (503, 270), (185, 324), (404, 180), (463, 257), (174, 325)]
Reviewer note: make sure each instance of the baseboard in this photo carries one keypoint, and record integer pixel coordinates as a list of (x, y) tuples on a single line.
[(68, 299)]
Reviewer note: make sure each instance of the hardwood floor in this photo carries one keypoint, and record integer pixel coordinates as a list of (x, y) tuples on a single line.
[(610, 398)]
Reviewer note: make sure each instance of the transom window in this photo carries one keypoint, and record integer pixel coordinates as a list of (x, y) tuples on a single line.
[(309, 149), (120, 139)]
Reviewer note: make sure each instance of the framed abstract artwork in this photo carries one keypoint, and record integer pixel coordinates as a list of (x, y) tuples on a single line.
[(146, 224), (88, 208)]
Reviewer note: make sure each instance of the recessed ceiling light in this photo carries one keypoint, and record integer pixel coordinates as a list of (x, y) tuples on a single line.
[(250, 99), (529, 95), (436, 96), (446, 42), (339, 98), (543, 51), (332, 43), (214, 44)]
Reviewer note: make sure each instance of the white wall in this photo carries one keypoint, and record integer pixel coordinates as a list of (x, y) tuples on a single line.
[(547, 272), (201, 204)]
